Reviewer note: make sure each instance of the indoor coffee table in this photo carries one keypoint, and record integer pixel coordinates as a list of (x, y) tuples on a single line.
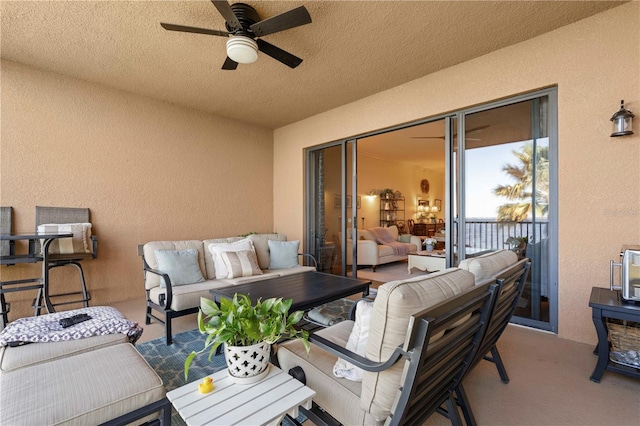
[(307, 290), (265, 402), (429, 261)]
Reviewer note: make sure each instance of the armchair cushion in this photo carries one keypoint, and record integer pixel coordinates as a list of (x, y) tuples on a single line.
[(241, 263), (284, 254), (79, 243), (216, 248), (181, 266)]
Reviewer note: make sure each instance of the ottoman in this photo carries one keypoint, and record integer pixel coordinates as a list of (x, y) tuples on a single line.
[(88, 388)]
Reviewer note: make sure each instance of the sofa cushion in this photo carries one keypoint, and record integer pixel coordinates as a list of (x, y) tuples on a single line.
[(149, 249), (85, 389), (488, 265), (181, 266), (261, 246), (395, 302), (216, 248), (241, 263), (187, 296), (79, 243), (284, 254)]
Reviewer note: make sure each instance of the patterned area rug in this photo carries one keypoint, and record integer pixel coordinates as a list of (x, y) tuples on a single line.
[(168, 361)]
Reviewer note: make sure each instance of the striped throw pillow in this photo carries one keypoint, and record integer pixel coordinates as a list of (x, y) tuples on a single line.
[(242, 263), (79, 243)]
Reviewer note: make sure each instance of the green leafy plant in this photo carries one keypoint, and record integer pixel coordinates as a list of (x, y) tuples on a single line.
[(237, 322)]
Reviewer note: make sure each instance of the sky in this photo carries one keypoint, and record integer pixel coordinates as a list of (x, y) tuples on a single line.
[(484, 173)]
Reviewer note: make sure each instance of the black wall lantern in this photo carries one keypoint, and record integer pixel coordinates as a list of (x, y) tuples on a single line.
[(622, 121)]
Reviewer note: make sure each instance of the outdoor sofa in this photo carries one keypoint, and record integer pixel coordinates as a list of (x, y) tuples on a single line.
[(178, 273)]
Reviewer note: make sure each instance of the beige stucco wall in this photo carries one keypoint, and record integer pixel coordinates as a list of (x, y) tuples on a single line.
[(594, 63), (148, 170)]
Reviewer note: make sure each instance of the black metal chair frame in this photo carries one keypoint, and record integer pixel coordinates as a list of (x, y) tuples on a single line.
[(427, 385), (63, 215)]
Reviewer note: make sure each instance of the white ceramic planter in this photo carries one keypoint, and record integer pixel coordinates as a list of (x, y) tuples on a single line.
[(247, 364)]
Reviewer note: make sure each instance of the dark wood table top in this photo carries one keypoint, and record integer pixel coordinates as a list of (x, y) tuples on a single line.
[(604, 298), (308, 290)]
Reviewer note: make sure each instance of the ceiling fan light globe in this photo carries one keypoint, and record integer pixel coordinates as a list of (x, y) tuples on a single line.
[(242, 50)]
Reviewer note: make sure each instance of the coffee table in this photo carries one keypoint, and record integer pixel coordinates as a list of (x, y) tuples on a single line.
[(262, 403), (307, 290), (429, 261)]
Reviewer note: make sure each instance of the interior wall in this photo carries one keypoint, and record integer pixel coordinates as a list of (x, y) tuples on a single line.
[(147, 170), (594, 63)]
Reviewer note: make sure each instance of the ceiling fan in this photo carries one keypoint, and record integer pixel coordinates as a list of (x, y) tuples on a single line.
[(244, 26), (476, 129)]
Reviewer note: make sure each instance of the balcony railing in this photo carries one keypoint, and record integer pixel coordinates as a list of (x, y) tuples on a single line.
[(493, 235)]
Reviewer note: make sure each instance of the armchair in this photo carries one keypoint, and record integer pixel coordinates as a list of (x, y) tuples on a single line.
[(416, 327)]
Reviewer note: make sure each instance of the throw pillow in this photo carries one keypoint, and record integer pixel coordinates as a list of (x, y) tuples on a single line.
[(216, 248), (357, 342), (242, 263), (404, 238), (181, 266), (284, 254), (78, 243)]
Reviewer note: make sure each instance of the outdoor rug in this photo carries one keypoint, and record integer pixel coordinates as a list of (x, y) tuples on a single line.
[(168, 361)]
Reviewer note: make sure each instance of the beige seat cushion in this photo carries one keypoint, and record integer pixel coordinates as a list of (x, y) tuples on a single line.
[(35, 353), (86, 389), (188, 296), (395, 302), (489, 265), (342, 395)]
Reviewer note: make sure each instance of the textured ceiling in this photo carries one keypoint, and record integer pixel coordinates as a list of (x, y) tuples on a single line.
[(351, 50)]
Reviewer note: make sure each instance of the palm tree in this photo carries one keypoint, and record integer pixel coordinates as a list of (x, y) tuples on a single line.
[(520, 191)]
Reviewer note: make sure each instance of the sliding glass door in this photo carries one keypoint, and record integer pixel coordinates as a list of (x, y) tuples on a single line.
[(506, 199), (482, 179)]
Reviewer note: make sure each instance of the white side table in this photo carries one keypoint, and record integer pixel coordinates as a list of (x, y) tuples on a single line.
[(427, 261), (263, 403)]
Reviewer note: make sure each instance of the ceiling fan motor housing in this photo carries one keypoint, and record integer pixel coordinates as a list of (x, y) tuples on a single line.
[(247, 16)]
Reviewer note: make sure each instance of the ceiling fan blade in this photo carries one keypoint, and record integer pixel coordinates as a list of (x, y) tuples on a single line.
[(229, 64), (278, 54), (284, 21), (227, 13), (182, 28)]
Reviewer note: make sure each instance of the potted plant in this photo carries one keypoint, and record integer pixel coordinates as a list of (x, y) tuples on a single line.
[(247, 331), (430, 243), (386, 193)]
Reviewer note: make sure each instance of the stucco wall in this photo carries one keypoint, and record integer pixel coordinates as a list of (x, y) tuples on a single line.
[(594, 63), (148, 170)]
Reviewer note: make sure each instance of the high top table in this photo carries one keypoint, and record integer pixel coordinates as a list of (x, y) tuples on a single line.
[(39, 283), (307, 290)]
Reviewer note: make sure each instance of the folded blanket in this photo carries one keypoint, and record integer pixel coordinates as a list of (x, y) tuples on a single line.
[(323, 316), (383, 236), (47, 328)]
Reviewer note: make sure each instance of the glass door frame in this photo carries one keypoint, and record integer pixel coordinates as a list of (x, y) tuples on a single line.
[(453, 177)]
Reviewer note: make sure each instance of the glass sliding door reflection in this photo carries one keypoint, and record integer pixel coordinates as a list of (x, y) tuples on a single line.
[(506, 192)]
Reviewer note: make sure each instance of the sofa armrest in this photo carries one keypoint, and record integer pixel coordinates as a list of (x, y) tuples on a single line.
[(94, 248), (169, 290), (417, 241), (310, 256)]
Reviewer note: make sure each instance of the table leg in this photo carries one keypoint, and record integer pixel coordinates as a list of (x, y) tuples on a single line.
[(45, 274), (603, 345)]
